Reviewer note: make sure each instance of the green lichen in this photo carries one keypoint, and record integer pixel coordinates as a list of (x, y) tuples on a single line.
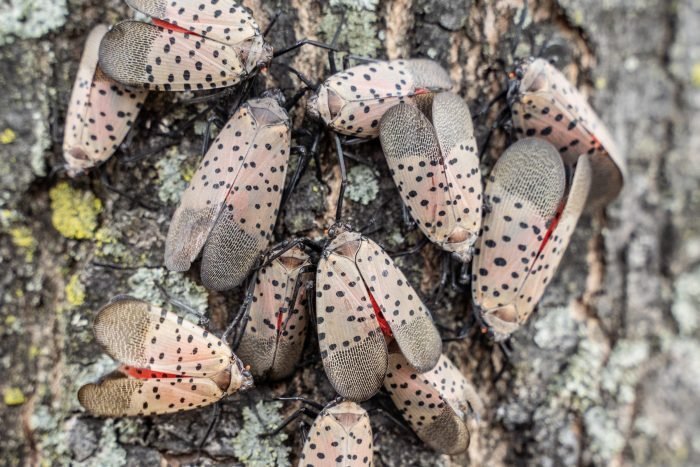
[(74, 212), (250, 448), (75, 291), (363, 185), (174, 171), (30, 19), (8, 136), (360, 29), (695, 75), (145, 282), (108, 243), (624, 368), (23, 239), (606, 440), (13, 396)]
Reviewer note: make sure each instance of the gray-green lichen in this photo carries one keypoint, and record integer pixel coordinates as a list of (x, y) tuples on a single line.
[(363, 185), (173, 173), (687, 302), (250, 448), (109, 452), (30, 19), (360, 33), (145, 283)]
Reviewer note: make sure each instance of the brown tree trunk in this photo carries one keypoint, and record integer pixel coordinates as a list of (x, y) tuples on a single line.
[(603, 373)]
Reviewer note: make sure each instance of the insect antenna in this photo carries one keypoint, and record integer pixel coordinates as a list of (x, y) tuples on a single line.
[(214, 420)]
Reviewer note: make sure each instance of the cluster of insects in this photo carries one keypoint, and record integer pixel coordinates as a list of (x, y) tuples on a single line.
[(510, 230)]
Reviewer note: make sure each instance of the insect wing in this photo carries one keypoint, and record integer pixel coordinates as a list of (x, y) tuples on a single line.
[(244, 228), (205, 198), (434, 403), (428, 75), (548, 106), (223, 20), (142, 335), (162, 59), (352, 345), (120, 396), (524, 192), (341, 436), (409, 319), (547, 262), (100, 112), (275, 331)]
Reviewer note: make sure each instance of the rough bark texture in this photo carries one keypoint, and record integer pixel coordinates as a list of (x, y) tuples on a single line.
[(603, 374)]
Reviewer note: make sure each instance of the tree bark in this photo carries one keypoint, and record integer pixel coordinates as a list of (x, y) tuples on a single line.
[(601, 375)]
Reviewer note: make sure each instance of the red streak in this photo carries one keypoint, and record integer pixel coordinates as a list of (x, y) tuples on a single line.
[(172, 27), (383, 325), (420, 91), (279, 320), (550, 230), (142, 373)]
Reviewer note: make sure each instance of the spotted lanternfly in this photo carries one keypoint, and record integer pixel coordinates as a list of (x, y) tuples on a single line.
[(545, 104), (191, 45), (229, 209), (439, 404), (340, 436), (276, 325), (100, 112), (436, 169), (353, 101), (170, 364), (525, 231), (362, 300)]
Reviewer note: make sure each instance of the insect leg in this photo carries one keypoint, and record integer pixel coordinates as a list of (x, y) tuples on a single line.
[(411, 251), (343, 178), (301, 43), (243, 310), (212, 424), (297, 413), (182, 305)]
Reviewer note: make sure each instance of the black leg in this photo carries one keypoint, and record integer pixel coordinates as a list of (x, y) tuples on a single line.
[(215, 120), (274, 19), (343, 178), (243, 310), (413, 250), (297, 413), (212, 424), (302, 43)]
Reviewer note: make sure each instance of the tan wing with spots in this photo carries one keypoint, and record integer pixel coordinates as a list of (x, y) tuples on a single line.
[(119, 396), (244, 229), (428, 75), (142, 335), (100, 112), (351, 342), (437, 404), (222, 20), (275, 331), (341, 436), (437, 170), (205, 198), (548, 106), (409, 319), (155, 58), (551, 254), (524, 193)]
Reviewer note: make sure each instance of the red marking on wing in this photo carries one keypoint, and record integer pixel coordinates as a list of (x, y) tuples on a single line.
[(165, 25), (551, 228), (279, 319), (143, 373), (420, 91), (383, 325)]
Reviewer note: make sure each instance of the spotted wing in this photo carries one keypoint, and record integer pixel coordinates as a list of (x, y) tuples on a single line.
[(441, 189), (276, 328), (425, 407), (547, 262), (350, 339), (163, 59), (523, 193), (548, 106), (141, 335), (409, 319), (340, 436), (100, 112), (222, 20), (205, 198), (120, 396), (244, 229)]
